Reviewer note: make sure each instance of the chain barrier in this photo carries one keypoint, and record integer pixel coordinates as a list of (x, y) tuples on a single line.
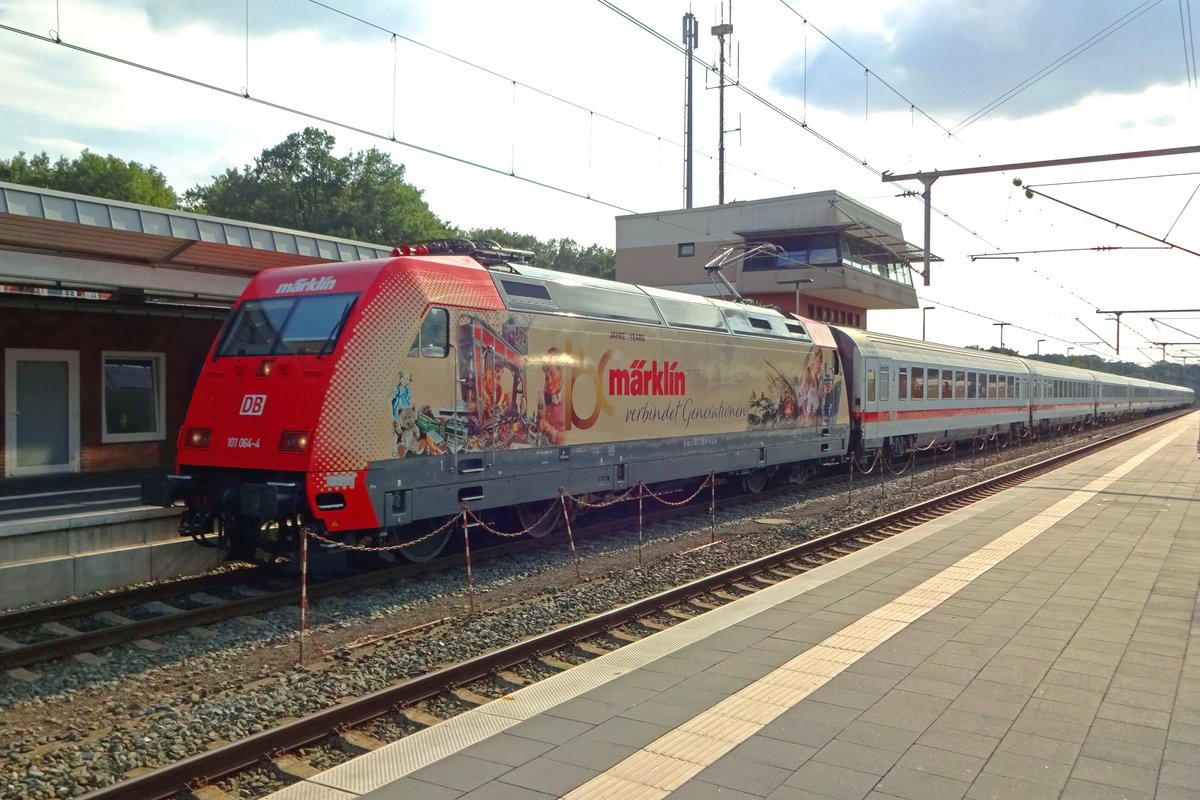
[(550, 509), (467, 518), (612, 501), (912, 458), (379, 548), (562, 497), (662, 499), (466, 528), (854, 465)]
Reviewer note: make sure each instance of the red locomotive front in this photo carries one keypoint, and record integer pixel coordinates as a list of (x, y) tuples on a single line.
[(274, 436)]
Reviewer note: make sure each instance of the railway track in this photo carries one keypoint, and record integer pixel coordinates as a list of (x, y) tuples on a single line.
[(86, 625), (426, 699)]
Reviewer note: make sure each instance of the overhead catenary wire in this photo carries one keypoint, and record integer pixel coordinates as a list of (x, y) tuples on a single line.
[(432, 151)]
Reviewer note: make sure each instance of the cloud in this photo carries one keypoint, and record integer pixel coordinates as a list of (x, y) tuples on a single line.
[(281, 16), (953, 58)]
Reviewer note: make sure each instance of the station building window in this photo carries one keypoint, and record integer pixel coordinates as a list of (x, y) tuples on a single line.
[(133, 401)]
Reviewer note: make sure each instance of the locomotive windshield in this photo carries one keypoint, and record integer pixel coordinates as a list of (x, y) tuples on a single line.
[(305, 325)]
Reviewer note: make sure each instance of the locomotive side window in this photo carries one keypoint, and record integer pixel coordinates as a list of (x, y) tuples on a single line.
[(434, 339)]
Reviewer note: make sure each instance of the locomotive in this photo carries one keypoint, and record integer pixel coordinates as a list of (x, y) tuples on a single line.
[(370, 402)]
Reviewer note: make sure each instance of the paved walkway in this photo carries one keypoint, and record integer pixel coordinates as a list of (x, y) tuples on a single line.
[(1040, 644)]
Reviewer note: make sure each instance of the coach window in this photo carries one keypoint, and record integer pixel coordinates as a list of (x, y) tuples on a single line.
[(971, 385), (960, 384), (434, 339), (885, 383), (931, 384), (870, 386), (902, 376), (133, 404), (918, 383)]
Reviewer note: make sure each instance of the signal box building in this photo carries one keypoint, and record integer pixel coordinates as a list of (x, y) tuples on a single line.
[(107, 311), (839, 258)]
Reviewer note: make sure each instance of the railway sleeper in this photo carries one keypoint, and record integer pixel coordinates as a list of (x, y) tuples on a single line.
[(357, 742), (591, 650), (469, 697), (419, 716), (510, 679), (556, 663), (680, 614), (288, 766), (622, 636), (211, 793), (652, 626)]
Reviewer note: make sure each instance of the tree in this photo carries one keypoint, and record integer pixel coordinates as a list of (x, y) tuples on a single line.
[(92, 174), (563, 255), (300, 184)]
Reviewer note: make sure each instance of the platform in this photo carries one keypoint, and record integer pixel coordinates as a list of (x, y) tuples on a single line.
[(1041, 643), (69, 535)]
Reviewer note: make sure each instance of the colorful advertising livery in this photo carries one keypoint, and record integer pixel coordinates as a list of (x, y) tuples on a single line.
[(524, 381)]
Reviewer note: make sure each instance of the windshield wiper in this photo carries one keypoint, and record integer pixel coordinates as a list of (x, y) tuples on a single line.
[(337, 329)]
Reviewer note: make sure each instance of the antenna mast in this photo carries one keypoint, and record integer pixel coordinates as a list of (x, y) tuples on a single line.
[(690, 33), (721, 31)]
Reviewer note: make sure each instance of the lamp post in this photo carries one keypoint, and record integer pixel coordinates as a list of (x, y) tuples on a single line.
[(1001, 324), (1039, 346), (923, 310), (797, 282)]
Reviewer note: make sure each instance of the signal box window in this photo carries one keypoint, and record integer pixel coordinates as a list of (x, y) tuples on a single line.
[(133, 399), (434, 339)]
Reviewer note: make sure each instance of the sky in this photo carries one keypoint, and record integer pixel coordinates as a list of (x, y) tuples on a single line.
[(552, 117)]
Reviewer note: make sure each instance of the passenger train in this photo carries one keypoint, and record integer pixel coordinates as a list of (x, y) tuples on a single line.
[(370, 402)]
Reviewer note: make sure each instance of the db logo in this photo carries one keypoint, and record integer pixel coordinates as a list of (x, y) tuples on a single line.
[(252, 405)]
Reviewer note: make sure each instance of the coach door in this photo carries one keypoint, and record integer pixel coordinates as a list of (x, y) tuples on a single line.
[(41, 412)]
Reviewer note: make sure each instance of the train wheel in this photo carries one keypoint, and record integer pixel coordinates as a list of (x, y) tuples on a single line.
[(424, 544), (541, 517), (756, 481)]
